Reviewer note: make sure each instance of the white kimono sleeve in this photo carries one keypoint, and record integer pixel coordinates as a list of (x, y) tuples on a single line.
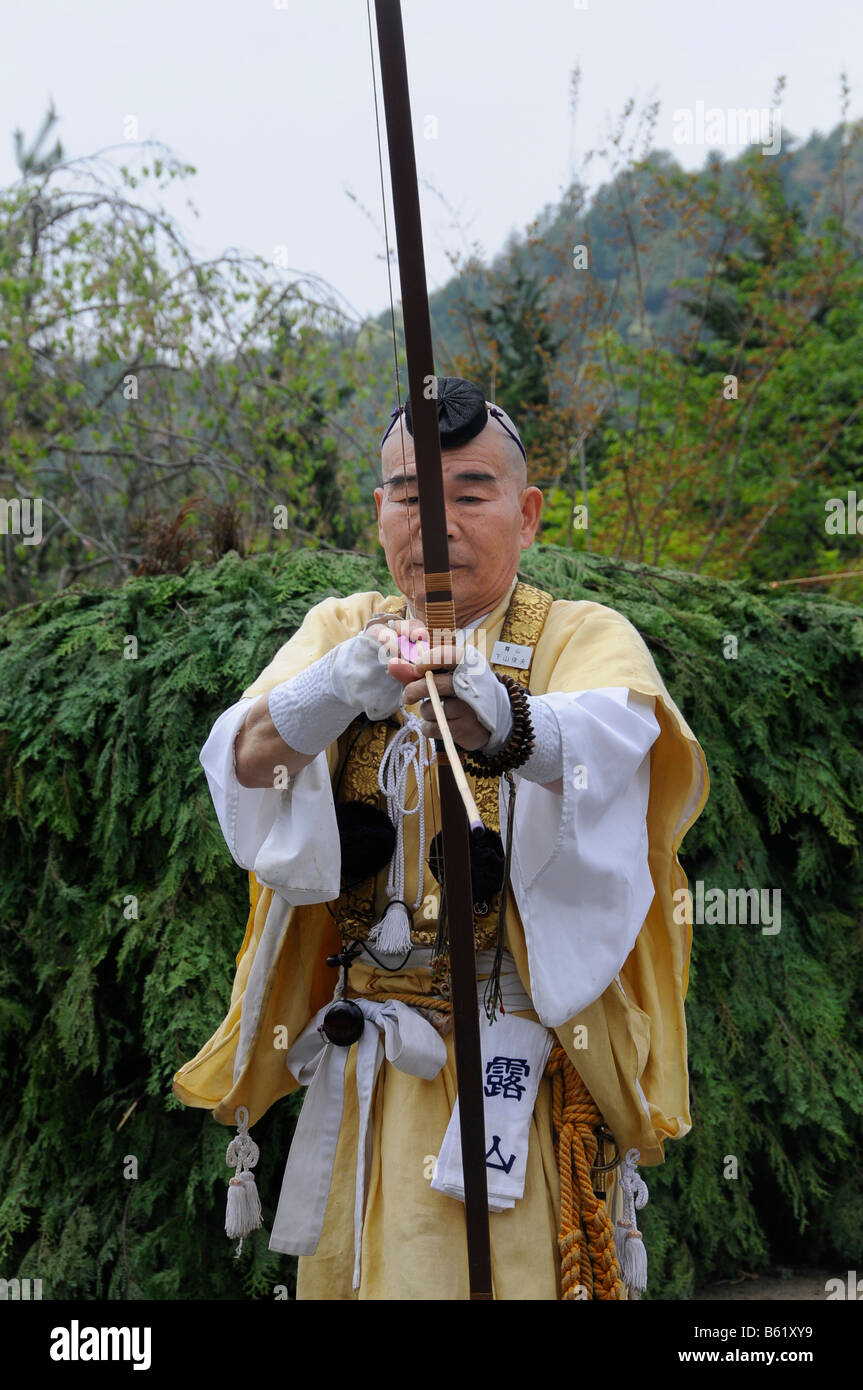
[(580, 873), (288, 837)]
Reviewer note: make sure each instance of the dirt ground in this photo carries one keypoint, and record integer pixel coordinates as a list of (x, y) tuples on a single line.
[(806, 1284)]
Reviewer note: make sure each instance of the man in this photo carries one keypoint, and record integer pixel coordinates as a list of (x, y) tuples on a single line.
[(586, 957)]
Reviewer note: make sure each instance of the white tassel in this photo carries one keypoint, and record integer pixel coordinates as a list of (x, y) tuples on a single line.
[(392, 935), (243, 1213), (244, 1206), (628, 1242), (235, 1216), (634, 1268)]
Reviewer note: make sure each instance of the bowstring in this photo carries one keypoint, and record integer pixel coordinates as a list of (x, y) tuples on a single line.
[(432, 780)]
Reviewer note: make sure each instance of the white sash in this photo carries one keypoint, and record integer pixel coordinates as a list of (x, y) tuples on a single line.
[(412, 1045)]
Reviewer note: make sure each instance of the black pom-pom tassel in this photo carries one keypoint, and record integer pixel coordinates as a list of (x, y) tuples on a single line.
[(368, 840), (486, 863)]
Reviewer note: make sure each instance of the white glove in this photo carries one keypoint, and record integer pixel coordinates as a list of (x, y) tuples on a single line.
[(475, 682), (311, 709)]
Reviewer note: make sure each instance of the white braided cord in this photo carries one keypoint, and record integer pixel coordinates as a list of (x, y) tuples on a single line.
[(402, 754)]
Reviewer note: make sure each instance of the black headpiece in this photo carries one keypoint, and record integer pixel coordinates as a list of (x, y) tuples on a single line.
[(462, 414)]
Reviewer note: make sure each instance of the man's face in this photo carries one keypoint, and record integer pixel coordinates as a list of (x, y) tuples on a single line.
[(491, 518)]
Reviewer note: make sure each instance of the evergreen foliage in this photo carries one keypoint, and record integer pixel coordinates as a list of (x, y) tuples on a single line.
[(105, 802)]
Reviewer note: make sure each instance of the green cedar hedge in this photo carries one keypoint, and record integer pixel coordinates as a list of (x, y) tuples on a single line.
[(104, 798)]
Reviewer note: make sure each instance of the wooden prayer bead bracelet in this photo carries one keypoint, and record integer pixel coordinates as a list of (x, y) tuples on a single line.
[(518, 747)]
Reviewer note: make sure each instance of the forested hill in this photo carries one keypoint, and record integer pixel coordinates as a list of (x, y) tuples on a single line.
[(805, 170), (683, 354)]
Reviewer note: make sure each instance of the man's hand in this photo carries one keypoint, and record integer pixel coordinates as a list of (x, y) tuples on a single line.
[(460, 670), (312, 708)]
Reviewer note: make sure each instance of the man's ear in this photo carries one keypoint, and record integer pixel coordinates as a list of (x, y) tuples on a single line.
[(379, 497), (531, 506)]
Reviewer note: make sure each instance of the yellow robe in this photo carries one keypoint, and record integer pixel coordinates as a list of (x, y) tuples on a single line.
[(413, 1238)]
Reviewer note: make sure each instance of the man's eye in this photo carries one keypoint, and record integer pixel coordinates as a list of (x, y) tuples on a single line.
[(471, 499), (408, 500)]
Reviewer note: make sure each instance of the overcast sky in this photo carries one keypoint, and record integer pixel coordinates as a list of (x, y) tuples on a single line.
[(272, 101)]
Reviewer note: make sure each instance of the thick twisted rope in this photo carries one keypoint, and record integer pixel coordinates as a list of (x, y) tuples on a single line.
[(586, 1236)]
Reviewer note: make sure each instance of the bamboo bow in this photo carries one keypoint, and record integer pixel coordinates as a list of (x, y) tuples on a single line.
[(439, 614)]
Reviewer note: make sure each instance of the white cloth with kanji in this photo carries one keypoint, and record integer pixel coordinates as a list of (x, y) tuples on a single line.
[(514, 1054)]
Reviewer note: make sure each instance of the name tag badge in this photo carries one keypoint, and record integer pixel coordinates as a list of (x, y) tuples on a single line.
[(511, 654)]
